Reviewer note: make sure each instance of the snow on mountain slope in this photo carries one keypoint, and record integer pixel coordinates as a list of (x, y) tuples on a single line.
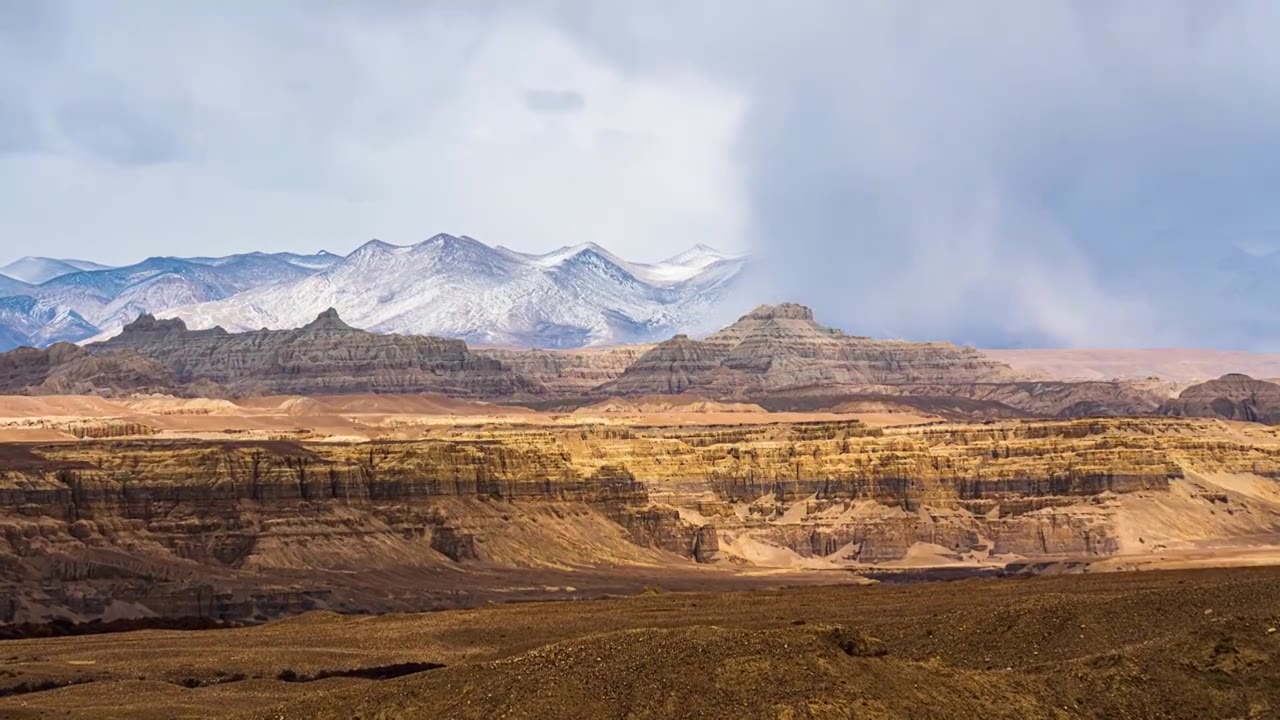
[(62, 326), (84, 304), (10, 339), (446, 285), (316, 261), (11, 286), (24, 322), (16, 321), (673, 270), (696, 258), (460, 287), (35, 270)]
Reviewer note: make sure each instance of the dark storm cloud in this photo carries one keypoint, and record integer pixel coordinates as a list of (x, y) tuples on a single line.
[(1001, 173)]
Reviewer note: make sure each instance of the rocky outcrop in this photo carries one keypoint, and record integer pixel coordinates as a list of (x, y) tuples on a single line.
[(1093, 398), (1230, 397), (107, 373), (27, 367), (326, 356), (780, 347)]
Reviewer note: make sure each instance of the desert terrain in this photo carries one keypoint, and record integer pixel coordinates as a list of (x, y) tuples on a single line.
[(1177, 644), (414, 526), (159, 509)]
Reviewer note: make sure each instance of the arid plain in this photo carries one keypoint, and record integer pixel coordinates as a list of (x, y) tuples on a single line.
[(779, 520)]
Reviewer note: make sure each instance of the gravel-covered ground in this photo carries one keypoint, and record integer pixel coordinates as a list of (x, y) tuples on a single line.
[(1187, 644)]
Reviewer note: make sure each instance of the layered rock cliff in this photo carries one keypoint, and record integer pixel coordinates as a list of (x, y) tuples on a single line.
[(66, 369), (782, 358), (568, 373), (155, 523), (777, 347), (1231, 397), (325, 356)]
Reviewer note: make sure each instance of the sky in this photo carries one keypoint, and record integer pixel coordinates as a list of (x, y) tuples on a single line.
[(1074, 174)]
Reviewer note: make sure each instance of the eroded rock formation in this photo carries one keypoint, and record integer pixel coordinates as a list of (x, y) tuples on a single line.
[(776, 347), (160, 524), (568, 373), (324, 356), (1230, 397)]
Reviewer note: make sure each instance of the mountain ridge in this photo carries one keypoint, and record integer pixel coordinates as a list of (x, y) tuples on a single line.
[(456, 286), (446, 285)]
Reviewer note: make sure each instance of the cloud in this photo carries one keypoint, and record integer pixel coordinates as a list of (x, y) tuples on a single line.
[(1037, 173), (554, 101), (1003, 174), (300, 125), (18, 131)]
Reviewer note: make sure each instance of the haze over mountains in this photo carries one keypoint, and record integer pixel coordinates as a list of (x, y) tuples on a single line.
[(447, 285)]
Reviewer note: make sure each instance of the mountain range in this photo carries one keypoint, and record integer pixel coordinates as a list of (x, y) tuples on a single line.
[(450, 286)]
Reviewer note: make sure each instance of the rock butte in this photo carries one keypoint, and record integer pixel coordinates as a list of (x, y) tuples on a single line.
[(1231, 397), (777, 356)]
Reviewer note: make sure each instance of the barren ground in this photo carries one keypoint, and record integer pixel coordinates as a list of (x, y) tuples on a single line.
[(1186, 644)]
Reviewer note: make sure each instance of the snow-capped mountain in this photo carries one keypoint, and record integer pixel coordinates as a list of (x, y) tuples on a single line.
[(81, 304), (24, 322), (35, 270), (111, 298), (460, 287), (10, 286), (446, 285), (317, 261)]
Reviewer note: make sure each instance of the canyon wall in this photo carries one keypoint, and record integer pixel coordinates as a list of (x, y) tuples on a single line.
[(156, 525)]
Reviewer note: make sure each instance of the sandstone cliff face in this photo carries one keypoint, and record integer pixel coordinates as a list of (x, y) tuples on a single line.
[(1092, 398), (27, 367), (66, 369), (324, 357), (670, 368), (1230, 397), (781, 347), (568, 373), (152, 521)]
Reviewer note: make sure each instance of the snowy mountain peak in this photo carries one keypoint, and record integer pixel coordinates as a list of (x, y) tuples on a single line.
[(35, 270), (569, 252), (698, 256), (376, 246), (446, 285)]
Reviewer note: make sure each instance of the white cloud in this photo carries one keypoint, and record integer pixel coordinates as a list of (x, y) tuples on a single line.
[(167, 128), (993, 172)]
